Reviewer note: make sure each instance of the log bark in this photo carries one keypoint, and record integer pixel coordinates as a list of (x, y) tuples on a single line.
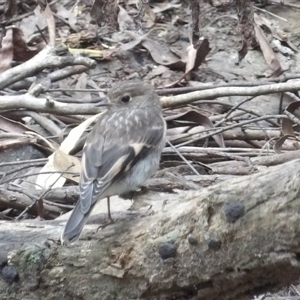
[(238, 238)]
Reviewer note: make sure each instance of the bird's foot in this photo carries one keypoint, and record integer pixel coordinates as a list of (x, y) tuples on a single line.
[(109, 222)]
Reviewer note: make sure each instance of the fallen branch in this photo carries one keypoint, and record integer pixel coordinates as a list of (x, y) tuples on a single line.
[(20, 201), (46, 105), (48, 58), (188, 98)]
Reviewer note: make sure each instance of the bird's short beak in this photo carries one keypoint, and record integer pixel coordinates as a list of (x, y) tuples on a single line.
[(102, 103)]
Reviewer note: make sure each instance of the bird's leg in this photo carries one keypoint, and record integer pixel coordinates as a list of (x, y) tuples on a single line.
[(110, 220)]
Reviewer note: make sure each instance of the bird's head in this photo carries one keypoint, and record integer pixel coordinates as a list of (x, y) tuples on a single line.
[(133, 94)]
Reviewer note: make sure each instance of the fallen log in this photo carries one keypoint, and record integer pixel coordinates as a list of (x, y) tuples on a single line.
[(237, 238)]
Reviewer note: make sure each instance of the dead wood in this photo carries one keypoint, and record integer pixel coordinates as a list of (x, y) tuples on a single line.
[(231, 240), (49, 57), (187, 98), (20, 201)]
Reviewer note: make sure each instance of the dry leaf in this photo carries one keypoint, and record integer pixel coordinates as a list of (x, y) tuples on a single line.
[(9, 125), (82, 84), (277, 33), (125, 21), (268, 52), (161, 7), (194, 59), (6, 54), (15, 48), (47, 13), (150, 17), (10, 8), (105, 12), (55, 179), (195, 117), (287, 124), (137, 39), (162, 55), (279, 143), (71, 140), (63, 162)]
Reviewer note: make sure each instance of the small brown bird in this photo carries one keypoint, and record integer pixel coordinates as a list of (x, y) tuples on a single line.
[(122, 151)]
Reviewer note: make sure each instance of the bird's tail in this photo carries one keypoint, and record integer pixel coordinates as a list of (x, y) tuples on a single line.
[(74, 225)]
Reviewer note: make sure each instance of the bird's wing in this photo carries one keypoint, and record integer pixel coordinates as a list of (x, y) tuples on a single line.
[(112, 149)]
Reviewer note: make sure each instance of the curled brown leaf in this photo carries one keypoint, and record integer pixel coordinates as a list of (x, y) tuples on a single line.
[(195, 117)]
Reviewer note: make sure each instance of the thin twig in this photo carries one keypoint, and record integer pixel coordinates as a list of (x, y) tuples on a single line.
[(183, 158), (271, 14), (7, 173), (30, 161), (237, 106), (34, 174), (40, 198), (217, 131)]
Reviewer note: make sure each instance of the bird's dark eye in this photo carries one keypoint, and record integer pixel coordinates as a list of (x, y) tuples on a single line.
[(125, 98)]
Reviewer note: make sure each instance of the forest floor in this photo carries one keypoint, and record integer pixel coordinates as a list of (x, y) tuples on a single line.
[(229, 130)]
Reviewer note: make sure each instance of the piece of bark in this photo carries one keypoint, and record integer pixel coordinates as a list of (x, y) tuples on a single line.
[(229, 241)]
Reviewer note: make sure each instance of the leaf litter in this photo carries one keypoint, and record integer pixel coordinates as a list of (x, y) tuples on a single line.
[(202, 46)]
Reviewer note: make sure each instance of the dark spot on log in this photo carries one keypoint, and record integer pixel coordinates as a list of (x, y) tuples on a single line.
[(167, 250), (214, 244), (262, 289), (229, 269), (10, 274), (205, 285), (298, 256), (192, 240), (233, 211), (3, 260)]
